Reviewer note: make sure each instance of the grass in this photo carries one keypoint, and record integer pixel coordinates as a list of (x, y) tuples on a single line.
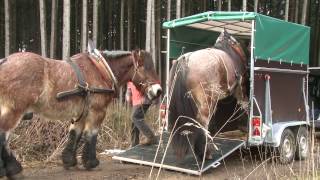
[(41, 139)]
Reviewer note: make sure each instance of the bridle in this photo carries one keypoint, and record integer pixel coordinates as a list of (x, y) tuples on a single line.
[(136, 72)]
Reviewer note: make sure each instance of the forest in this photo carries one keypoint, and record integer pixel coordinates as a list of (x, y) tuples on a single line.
[(61, 28)]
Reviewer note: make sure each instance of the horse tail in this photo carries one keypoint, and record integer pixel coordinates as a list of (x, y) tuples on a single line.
[(182, 109)]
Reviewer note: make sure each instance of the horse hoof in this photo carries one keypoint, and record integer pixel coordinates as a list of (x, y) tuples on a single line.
[(16, 176), (2, 172), (90, 164), (13, 168), (69, 162)]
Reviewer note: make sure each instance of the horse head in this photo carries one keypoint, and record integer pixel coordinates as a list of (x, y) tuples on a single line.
[(227, 41), (144, 76)]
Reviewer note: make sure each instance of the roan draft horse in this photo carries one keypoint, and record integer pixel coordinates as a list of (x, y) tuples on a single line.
[(79, 89), (198, 81)]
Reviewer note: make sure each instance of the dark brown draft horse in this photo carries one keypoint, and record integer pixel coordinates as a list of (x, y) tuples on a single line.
[(30, 83), (198, 81)]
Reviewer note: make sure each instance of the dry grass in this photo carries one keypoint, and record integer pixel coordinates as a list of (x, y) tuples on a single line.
[(42, 140)]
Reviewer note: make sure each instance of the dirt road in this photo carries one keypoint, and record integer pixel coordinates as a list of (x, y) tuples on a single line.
[(239, 165)]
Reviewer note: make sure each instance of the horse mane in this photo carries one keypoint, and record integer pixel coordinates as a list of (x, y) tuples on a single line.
[(115, 54), (181, 104)]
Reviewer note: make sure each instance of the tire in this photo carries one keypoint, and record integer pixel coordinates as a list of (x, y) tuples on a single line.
[(302, 150), (287, 147)]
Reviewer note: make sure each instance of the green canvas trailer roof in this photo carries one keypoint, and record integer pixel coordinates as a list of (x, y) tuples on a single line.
[(274, 39)]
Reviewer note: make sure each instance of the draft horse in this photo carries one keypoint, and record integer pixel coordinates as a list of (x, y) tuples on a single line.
[(31, 83), (198, 81)]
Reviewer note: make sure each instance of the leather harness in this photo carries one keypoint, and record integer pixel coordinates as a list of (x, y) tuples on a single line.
[(82, 88)]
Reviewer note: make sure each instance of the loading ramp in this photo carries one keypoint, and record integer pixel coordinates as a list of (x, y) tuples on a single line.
[(144, 155)]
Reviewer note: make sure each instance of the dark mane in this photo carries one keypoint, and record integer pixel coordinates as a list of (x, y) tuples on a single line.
[(115, 54)]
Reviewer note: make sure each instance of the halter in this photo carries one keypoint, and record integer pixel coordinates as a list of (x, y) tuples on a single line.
[(136, 71)]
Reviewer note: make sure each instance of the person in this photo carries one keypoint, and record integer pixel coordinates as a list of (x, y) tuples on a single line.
[(140, 105)]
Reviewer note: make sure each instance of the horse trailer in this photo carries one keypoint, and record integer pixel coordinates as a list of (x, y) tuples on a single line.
[(278, 113)]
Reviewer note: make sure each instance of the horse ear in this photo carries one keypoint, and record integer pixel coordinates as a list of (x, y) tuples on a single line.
[(90, 47), (140, 57)]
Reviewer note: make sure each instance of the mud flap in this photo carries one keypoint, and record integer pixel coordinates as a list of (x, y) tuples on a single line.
[(145, 155)]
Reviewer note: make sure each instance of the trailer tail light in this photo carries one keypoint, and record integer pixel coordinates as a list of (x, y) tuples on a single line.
[(256, 126)]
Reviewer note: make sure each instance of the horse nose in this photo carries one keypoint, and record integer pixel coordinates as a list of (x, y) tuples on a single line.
[(159, 92), (154, 91)]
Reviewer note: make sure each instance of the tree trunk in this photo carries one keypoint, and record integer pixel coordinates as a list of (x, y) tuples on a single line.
[(153, 34), (183, 8), (286, 15), (296, 16), (109, 36), (7, 27), (219, 5), (129, 25), (84, 27), (53, 37), (256, 5), (229, 5), (244, 5), (178, 9), (95, 23), (148, 25), (304, 12), (158, 37), (43, 33), (168, 10), (121, 25), (66, 30)]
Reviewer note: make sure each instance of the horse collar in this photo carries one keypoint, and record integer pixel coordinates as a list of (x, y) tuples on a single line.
[(99, 57)]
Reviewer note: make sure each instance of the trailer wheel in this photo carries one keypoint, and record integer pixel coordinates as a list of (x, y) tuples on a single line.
[(287, 147), (302, 143)]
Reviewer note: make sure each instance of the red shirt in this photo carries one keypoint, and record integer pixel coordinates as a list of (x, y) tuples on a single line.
[(137, 98)]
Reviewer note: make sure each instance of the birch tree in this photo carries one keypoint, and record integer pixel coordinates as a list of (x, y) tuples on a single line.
[(256, 5), (219, 5), (286, 15), (121, 25), (95, 22), (304, 12), (178, 9), (84, 25), (229, 5), (148, 25), (54, 5), (7, 26), (66, 30), (168, 10), (244, 5), (129, 24), (43, 35)]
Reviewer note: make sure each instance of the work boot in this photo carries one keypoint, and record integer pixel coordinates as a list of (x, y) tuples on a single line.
[(150, 141)]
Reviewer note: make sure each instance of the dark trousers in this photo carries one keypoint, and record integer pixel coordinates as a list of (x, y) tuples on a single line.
[(139, 124)]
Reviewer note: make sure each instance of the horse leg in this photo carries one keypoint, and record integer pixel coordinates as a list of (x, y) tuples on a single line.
[(205, 111), (8, 120), (2, 162), (12, 166), (91, 129), (69, 152)]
